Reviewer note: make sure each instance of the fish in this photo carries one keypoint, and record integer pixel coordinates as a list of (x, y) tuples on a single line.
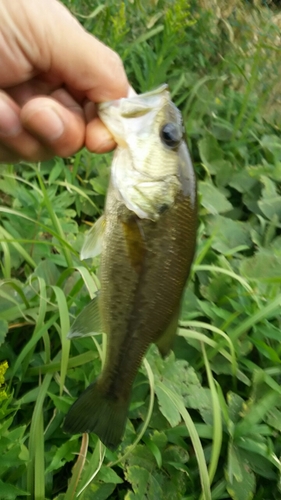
[(147, 241)]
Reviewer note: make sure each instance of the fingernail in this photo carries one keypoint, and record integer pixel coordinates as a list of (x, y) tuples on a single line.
[(46, 122), (104, 141), (10, 125)]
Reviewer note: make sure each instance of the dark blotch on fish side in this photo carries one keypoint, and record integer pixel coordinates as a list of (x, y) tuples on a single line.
[(163, 208)]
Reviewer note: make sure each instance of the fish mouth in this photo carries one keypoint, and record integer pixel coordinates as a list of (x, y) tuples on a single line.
[(133, 114), (134, 98)]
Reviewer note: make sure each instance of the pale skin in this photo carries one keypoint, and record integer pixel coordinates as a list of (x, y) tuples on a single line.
[(52, 75)]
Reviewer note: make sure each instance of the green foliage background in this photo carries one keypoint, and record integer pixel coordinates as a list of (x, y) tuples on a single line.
[(205, 422)]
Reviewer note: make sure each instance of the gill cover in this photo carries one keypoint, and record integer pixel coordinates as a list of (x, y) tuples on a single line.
[(151, 163)]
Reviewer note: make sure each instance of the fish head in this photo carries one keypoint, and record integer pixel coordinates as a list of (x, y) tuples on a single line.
[(151, 162)]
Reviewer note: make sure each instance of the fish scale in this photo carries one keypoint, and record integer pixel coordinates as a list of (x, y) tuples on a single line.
[(148, 245)]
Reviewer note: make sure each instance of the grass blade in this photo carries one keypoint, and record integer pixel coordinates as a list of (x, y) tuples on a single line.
[(217, 269), (207, 326), (217, 425), (77, 469), (260, 315), (95, 463), (203, 471), (55, 222), (36, 466), (10, 239), (63, 331)]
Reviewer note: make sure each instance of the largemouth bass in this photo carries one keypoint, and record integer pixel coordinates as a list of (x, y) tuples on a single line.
[(147, 240)]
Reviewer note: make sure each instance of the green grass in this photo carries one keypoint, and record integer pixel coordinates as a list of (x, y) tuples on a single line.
[(205, 423)]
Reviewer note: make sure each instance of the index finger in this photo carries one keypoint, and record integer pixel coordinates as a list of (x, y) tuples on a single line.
[(83, 61), (58, 46)]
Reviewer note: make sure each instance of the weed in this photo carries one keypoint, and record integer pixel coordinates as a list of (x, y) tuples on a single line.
[(205, 422)]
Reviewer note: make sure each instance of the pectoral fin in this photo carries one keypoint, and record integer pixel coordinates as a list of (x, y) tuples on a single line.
[(166, 340), (93, 241), (88, 322)]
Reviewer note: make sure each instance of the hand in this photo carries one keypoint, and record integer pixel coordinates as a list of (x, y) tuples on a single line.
[(52, 74)]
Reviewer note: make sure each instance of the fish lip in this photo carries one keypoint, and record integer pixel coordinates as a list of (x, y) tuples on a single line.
[(117, 103), (137, 110)]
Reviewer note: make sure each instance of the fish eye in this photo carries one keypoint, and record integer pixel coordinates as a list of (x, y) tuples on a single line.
[(170, 135)]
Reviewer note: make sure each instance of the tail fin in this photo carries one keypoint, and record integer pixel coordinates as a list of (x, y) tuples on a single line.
[(95, 412)]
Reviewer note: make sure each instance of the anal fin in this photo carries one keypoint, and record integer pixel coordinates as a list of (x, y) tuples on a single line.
[(165, 342)]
